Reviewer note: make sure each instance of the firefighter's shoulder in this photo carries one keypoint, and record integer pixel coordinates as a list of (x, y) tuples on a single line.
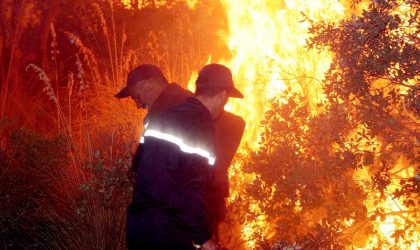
[(231, 121), (190, 120)]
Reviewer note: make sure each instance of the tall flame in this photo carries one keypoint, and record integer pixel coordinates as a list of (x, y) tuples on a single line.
[(267, 41)]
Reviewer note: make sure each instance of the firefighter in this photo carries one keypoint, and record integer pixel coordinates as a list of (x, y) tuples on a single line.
[(173, 163), (229, 129)]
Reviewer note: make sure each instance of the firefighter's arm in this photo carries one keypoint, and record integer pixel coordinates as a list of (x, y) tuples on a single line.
[(192, 211)]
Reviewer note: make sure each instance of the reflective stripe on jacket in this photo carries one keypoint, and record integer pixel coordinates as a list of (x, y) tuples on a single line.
[(173, 165)]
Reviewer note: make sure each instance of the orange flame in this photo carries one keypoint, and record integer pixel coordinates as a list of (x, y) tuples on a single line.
[(394, 209), (267, 41)]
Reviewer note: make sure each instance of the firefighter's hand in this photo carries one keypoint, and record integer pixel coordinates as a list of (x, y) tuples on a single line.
[(210, 245)]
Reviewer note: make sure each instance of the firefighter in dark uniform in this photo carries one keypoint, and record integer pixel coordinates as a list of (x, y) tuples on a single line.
[(173, 163), (229, 129)]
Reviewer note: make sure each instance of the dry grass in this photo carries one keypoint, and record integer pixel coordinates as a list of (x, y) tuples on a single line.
[(64, 202), (74, 192)]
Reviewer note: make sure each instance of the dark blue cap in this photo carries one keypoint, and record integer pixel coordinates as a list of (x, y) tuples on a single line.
[(141, 72), (217, 76)]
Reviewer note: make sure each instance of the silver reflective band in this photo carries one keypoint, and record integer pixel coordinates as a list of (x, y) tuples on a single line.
[(178, 141), (142, 137)]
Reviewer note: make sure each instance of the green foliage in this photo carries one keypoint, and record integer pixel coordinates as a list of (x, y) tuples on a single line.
[(380, 44), (107, 183), (47, 204), (100, 207), (375, 76), (32, 171), (304, 178)]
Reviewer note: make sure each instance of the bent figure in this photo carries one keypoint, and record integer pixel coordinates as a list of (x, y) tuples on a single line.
[(173, 164), (229, 130)]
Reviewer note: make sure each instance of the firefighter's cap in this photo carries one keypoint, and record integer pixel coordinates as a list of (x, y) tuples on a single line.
[(141, 72), (217, 76)]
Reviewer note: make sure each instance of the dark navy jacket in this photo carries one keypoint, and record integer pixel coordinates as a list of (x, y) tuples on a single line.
[(173, 166)]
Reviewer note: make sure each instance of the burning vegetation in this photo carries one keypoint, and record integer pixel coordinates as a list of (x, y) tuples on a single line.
[(329, 159)]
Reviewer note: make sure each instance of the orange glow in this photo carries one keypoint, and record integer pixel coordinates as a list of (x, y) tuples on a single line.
[(332, 162), (157, 3), (393, 208), (192, 3), (267, 40)]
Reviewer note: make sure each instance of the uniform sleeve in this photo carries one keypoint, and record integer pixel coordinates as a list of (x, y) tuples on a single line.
[(192, 211)]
